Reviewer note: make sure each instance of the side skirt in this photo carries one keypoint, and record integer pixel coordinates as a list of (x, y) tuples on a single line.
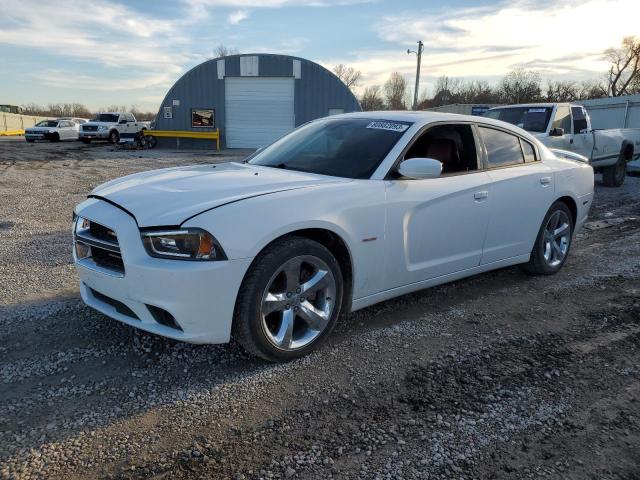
[(432, 282)]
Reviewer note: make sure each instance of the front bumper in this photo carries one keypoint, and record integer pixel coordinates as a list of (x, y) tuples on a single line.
[(97, 135), (200, 296), (38, 135)]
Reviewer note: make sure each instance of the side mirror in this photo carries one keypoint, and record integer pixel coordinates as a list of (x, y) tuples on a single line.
[(123, 121), (556, 132), (420, 168)]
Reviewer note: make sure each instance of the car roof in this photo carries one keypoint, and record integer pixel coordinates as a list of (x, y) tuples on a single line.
[(426, 117)]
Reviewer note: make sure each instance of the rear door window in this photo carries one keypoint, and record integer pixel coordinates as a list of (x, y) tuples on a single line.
[(503, 149)]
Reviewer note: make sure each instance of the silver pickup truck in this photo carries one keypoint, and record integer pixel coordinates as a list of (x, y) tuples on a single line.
[(566, 126), (110, 126)]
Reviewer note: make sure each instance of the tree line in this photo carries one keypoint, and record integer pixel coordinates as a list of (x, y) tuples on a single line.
[(78, 110), (518, 86)]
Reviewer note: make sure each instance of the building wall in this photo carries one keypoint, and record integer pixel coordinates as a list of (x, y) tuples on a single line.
[(614, 112), (463, 108), (315, 93)]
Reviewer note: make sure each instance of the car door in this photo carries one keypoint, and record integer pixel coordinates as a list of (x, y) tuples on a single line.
[(436, 226), (63, 129), (521, 192), (582, 141)]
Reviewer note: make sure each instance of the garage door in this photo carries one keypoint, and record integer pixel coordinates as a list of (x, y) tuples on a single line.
[(258, 110)]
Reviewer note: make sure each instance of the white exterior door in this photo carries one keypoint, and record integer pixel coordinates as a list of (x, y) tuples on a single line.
[(258, 110), (435, 226)]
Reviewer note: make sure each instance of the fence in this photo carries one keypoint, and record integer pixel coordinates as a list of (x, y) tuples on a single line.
[(13, 122)]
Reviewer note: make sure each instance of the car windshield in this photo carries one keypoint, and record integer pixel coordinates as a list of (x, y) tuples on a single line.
[(531, 119), (47, 123), (105, 117), (340, 147)]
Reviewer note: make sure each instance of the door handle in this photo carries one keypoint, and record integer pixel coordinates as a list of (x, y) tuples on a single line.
[(545, 180), (481, 195)]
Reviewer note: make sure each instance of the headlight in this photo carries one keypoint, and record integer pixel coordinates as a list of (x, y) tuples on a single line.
[(102, 128), (184, 244)]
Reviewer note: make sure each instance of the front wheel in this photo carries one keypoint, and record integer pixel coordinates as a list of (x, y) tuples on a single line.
[(86, 141), (114, 136), (289, 300), (553, 241), (55, 138), (614, 175)]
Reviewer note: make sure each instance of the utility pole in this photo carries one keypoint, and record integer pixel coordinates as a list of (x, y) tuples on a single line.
[(419, 55)]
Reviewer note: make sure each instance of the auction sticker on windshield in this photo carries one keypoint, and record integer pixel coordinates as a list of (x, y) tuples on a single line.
[(393, 126)]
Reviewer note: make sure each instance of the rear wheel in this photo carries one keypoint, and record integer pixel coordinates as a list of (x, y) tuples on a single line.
[(553, 241), (289, 301), (614, 175), (114, 136)]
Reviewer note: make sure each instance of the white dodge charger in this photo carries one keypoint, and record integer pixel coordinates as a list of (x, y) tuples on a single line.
[(342, 213)]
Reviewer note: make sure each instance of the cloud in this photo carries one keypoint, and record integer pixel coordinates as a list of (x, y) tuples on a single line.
[(237, 16), (199, 4), (568, 33)]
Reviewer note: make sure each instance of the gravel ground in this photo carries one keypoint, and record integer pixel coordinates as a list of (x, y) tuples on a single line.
[(497, 376)]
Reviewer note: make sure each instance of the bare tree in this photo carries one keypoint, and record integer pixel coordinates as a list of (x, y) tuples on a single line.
[(372, 99), (592, 89), (394, 92), (349, 75), (520, 86), (562, 91), (624, 74), (223, 51), (455, 90)]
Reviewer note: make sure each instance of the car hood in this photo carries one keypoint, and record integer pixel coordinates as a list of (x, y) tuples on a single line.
[(170, 196)]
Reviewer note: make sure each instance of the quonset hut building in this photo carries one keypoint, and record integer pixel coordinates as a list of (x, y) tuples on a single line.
[(252, 99)]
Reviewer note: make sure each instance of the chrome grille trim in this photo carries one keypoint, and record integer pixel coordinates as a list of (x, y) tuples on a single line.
[(102, 253)]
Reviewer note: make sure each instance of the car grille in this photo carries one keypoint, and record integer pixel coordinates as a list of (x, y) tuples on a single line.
[(102, 233), (104, 249), (89, 128)]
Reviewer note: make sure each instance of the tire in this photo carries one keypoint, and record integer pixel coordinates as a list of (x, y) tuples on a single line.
[(151, 141), (114, 137), (265, 288), (545, 259), (614, 175), (86, 141), (55, 138), (29, 140)]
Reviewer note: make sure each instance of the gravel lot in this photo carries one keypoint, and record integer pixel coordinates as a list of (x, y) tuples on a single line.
[(498, 376)]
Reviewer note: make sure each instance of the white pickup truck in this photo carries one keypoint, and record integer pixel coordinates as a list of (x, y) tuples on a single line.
[(567, 126), (110, 126)]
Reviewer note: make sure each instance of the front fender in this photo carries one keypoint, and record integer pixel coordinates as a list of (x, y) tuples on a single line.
[(354, 211)]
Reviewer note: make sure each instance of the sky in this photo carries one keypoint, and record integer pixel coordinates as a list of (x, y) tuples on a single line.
[(107, 52)]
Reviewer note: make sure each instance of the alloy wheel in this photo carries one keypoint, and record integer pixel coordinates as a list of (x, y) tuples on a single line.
[(298, 302), (557, 237)]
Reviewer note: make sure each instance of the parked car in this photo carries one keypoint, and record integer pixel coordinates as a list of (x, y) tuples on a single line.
[(568, 127), (341, 213), (52, 130), (110, 126)]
